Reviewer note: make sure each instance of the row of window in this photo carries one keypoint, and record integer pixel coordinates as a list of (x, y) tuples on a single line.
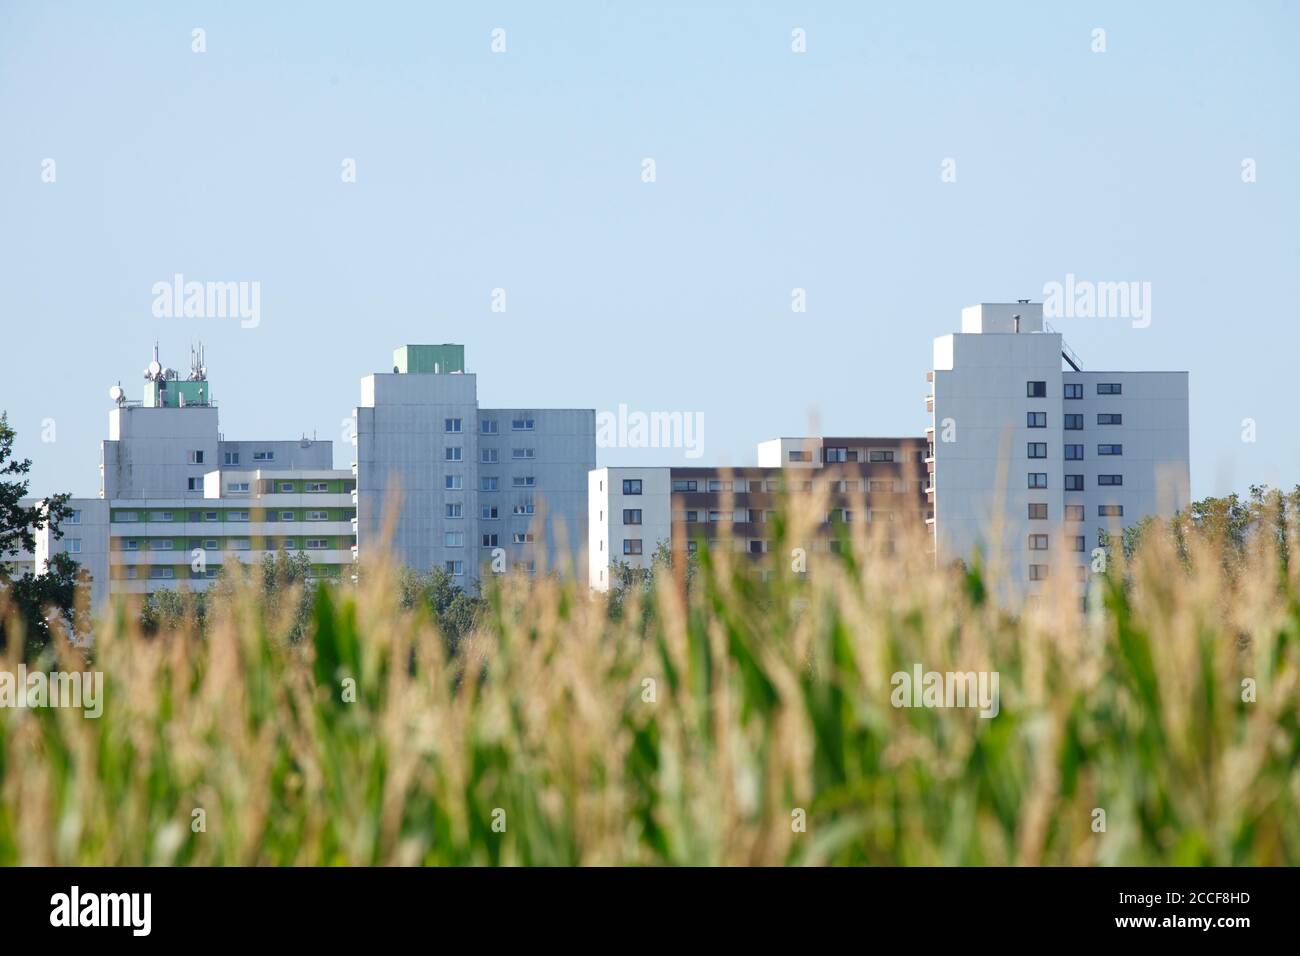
[(1072, 422), (197, 456), (130, 517), (213, 544), (488, 456), (489, 426), (1038, 511), (1038, 449), (457, 568), (1038, 480), (1073, 389), (633, 486)]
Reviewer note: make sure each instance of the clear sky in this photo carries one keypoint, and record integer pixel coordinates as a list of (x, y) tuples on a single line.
[(522, 171)]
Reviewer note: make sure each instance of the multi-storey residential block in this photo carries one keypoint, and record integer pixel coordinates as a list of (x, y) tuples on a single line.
[(23, 561), (632, 511), (1031, 456), (467, 487), (178, 502)]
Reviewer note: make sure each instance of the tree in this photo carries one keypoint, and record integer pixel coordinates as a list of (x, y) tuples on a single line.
[(36, 600), (455, 610)]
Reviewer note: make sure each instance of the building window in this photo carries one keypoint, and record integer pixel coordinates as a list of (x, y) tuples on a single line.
[(315, 486), (691, 517), (318, 516), (239, 544), (488, 426), (286, 487), (74, 546), (1110, 480), (1110, 449), (231, 458), (1079, 543), (130, 544), (451, 453), (1038, 542), (524, 507), (126, 516), (163, 574), (880, 455), (489, 483), (237, 487), (1038, 479), (523, 454), (1037, 511), (1074, 482), (523, 537), (317, 544), (489, 513), (631, 545), (1035, 389), (193, 484), (489, 540), (1074, 390), (800, 456), (631, 515), (1073, 423), (453, 509), (289, 544), (453, 539), (631, 486), (683, 484), (263, 456), (1038, 572), (1110, 511), (488, 456), (523, 481), (454, 568), (1037, 449), (451, 482), (522, 424), (196, 457), (209, 516), (451, 425), (1109, 388), (1074, 453), (210, 544), (286, 516), (1036, 419), (1074, 512), (1110, 419), (833, 455)]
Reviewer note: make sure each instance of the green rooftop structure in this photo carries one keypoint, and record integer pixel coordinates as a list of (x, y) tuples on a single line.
[(429, 359)]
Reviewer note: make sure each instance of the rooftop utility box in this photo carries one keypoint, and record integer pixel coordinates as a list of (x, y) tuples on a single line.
[(428, 359)]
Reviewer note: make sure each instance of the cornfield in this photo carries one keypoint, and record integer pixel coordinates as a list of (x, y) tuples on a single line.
[(729, 719)]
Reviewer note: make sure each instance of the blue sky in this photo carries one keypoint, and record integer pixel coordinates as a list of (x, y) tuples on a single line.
[(522, 171)]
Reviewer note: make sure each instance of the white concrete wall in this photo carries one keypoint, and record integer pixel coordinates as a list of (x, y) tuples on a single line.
[(607, 530), (982, 493)]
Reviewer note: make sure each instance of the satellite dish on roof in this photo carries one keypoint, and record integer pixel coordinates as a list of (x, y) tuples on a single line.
[(116, 394), (155, 368)]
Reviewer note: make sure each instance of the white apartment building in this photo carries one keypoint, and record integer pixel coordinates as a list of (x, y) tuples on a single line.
[(468, 488), (1031, 455), (178, 502), (632, 511)]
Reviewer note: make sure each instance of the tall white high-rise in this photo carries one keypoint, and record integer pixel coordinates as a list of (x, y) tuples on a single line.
[(1032, 455)]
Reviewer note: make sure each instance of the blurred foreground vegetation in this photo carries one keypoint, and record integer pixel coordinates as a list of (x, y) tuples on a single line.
[(701, 714)]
